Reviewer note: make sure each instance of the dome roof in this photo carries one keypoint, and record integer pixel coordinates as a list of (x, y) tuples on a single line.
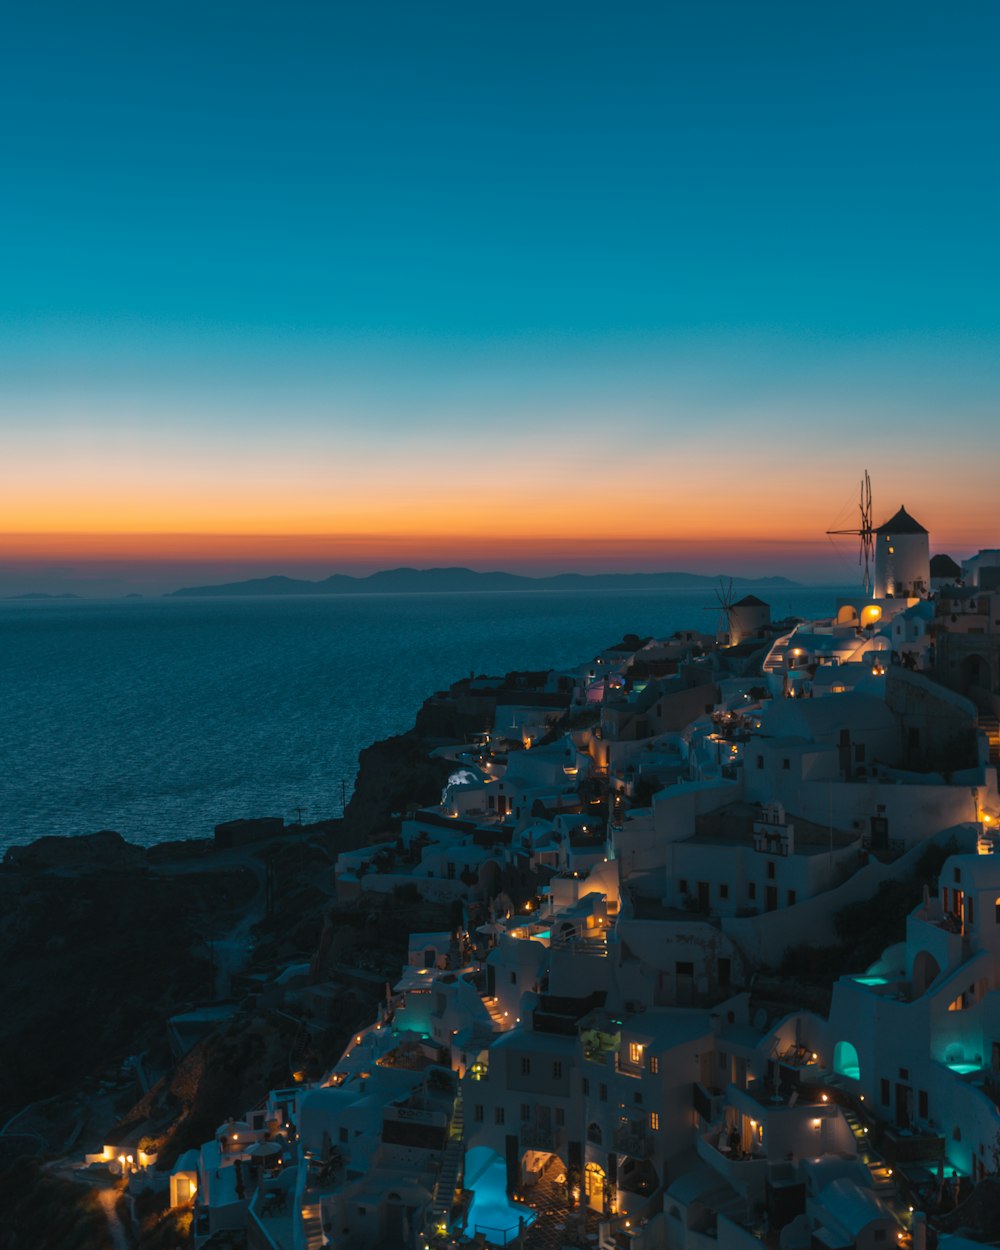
[(901, 523)]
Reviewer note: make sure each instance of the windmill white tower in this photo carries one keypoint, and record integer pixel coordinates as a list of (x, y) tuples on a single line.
[(724, 629), (902, 558)]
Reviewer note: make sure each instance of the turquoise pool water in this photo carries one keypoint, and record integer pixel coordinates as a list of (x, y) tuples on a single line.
[(492, 1213), (964, 1068), (872, 980)]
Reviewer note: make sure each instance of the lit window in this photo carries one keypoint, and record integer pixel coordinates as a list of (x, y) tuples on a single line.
[(654, 1065), (654, 1121), (635, 1052)]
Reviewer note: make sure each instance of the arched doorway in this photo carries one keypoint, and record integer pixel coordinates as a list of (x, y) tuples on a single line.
[(975, 671), (845, 1060), (925, 971), (595, 1187), (394, 1219)]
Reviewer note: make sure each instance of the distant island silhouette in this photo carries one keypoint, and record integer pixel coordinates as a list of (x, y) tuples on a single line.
[(422, 581), (41, 594)]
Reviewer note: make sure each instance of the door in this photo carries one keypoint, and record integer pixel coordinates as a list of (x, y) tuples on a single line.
[(904, 1105)]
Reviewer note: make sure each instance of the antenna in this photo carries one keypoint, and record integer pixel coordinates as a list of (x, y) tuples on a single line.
[(864, 531)]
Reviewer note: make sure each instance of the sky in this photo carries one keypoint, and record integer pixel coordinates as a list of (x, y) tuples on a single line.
[(316, 286)]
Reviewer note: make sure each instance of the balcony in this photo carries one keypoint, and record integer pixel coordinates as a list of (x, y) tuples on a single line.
[(633, 1141), (541, 1137)]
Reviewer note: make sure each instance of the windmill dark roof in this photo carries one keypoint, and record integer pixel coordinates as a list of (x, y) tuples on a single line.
[(901, 523), (944, 566), (750, 601)]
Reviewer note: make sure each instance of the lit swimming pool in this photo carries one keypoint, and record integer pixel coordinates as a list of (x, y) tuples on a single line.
[(492, 1213), (872, 980), (964, 1068)]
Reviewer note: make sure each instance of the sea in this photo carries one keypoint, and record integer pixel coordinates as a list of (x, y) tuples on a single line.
[(160, 718)]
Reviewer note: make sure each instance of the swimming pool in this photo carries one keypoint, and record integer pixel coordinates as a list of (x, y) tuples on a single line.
[(492, 1213)]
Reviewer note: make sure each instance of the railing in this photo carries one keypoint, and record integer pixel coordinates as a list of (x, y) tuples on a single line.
[(540, 1137), (500, 1236), (632, 1143)]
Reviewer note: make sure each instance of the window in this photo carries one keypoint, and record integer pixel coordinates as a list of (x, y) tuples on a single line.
[(560, 1115), (586, 1085), (859, 753), (525, 1066), (724, 971), (654, 1121), (556, 1070), (637, 1098), (525, 1111), (786, 765), (498, 1115), (682, 885), (451, 871), (770, 870), (478, 1113), (654, 1065), (513, 978), (791, 898), (922, 1103), (751, 890), (760, 761), (884, 1092), (603, 1093), (723, 890), (958, 874), (342, 1134), (635, 1052), (904, 1074)]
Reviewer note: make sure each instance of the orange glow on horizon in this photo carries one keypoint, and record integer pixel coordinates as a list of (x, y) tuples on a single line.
[(347, 548)]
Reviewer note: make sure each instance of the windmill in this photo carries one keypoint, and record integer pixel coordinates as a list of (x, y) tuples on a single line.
[(864, 531), (724, 594)]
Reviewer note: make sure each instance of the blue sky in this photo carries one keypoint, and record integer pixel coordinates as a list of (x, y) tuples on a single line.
[(443, 226)]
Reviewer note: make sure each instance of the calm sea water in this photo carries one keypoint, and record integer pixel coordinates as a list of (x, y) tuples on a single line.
[(160, 718)]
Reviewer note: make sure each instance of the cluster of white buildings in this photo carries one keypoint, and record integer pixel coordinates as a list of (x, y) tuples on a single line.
[(590, 1053)]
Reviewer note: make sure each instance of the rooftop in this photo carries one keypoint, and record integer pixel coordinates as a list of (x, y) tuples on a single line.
[(733, 826), (901, 523)]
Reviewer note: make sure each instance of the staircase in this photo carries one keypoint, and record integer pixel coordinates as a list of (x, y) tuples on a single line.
[(312, 1226), (496, 1013), (860, 1135), (774, 661), (881, 1174), (439, 1211), (990, 726)]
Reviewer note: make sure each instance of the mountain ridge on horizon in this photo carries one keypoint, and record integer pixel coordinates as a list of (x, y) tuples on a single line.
[(405, 580)]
